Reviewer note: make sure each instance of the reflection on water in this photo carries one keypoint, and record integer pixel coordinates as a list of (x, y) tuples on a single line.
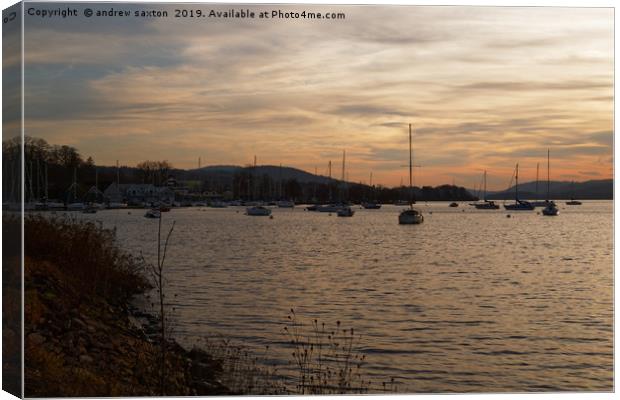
[(468, 301)]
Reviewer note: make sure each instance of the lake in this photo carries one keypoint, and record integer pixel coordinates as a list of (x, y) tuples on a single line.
[(468, 301)]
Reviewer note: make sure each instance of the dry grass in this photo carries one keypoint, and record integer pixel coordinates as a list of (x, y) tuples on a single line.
[(88, 255), (327, 360), (245, 371)]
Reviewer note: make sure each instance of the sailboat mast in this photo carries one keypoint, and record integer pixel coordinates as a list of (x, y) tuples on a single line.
[(280, 183), (343, 158), (484, 196), (74, 184), (46, 178), (517, 183), (537, 167), (410, 164), (343, 176), (548, 174)]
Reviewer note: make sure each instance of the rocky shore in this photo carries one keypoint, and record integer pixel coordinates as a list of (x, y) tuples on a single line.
[(81, 336)]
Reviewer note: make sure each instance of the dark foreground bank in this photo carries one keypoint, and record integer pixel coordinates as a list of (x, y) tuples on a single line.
[(79, 335)]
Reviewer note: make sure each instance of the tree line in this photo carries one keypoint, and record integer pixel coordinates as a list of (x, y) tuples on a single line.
[(61, 172)]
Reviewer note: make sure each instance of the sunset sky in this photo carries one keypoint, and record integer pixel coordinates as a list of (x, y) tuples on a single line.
[(484, 87)]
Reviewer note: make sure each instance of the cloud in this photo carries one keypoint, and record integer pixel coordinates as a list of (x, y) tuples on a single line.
[(482, 86)]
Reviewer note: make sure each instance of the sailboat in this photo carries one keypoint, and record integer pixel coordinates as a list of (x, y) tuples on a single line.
[(283, 203), (345, 210), (410, 216), (256, 209), (572, 201), (331, 207), (550, 209), (539, 203), (153, 213), (373, 204), (75, 205), (518, 205), (486, 204)]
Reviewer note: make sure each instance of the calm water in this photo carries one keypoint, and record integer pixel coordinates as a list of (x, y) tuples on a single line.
[(467, 301)]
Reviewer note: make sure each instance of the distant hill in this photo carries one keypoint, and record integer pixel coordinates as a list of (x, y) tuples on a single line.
[(275, 172), (595, 189)]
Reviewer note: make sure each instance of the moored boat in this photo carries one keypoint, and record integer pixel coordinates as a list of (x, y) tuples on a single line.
[(518, 205), (258, 211), (551, 209), (285, 204), (75, 206), (153, 213), (486, 204), (90, 209), (410, 216), (345, 212)]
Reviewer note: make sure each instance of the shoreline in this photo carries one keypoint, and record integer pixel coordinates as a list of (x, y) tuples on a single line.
[(82, 340)]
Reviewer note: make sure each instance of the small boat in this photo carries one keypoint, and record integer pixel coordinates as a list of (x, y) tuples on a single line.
[(312, 207), (572, 201), (486, 204), (345, 212), (410, 216), (518, 205), (371, 205), (153, 213), (90, 209), (401, 203), (329, 208), (113, 205), (258, 211), (454, 204), (285, 204), (75, 206), (551, 209)]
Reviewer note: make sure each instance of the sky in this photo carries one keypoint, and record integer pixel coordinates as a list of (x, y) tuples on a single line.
[(483, 87)]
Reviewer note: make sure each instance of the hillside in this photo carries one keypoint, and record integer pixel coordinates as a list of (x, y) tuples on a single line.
[(594, 189)]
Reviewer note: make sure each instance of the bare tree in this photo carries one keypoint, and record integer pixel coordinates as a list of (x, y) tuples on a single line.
[(157, 273)]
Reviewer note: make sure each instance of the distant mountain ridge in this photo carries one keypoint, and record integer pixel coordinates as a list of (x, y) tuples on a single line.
[(275, 172), (602, 189)]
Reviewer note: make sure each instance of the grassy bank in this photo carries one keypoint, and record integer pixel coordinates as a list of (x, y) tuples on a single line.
[(79, 338)]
